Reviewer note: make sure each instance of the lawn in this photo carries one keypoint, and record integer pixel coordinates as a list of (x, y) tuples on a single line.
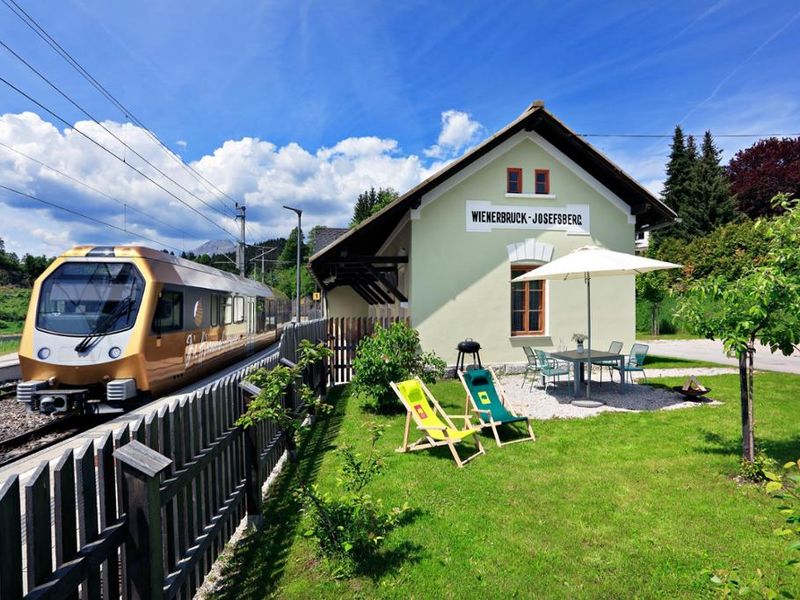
[(13, 308), (616, 506), (643, 336), (7, 346), (668, 362)]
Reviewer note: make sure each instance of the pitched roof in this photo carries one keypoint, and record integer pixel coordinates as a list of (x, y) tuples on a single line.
[(369, 235), (325, 236)]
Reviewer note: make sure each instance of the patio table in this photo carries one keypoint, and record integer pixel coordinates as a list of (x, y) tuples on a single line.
[(578, 359)]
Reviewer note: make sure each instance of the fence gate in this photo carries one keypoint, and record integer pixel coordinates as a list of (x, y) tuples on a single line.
[(344, 334)]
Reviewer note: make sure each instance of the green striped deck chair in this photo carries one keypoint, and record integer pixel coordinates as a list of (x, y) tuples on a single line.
[(488, 401)]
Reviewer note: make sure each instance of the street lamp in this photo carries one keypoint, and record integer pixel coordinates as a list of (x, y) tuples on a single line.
[(299, 244)]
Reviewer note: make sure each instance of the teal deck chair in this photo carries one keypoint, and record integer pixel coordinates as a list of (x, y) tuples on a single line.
[(488, 401)]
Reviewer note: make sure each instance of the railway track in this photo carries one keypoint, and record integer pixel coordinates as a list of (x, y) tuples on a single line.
[(8, 389), (29, 442)]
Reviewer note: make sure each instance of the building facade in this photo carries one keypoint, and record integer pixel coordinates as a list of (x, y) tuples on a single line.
[(445, 252)]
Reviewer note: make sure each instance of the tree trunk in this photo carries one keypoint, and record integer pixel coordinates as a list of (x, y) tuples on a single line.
[(745, 390), (654, 321)]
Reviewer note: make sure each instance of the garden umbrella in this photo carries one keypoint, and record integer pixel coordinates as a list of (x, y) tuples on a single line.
[(591, 261)]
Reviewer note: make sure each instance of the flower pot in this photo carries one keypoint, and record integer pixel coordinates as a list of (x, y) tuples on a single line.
[(580, 347)]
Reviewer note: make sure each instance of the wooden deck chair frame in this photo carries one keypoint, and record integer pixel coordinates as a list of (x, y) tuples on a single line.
[(426, 441), (492, 423)]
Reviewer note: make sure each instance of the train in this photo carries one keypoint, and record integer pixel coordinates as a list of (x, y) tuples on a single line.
[(110, 327)]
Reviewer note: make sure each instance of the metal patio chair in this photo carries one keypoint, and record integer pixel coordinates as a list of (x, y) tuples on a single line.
[(634, 362), (550, 367), (532, 367), (613, 348)]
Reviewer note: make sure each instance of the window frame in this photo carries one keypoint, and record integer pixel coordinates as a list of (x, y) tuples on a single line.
[(546, 173), (159, 329), (214, 311), (516, 271), (239, 309), (518, 172)]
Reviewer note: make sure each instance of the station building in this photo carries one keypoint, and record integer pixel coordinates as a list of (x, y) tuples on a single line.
[(444, 253)]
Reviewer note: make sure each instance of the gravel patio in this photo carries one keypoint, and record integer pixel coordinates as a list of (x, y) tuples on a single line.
[(556, 403)]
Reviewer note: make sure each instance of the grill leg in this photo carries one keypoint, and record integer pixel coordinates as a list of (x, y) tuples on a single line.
[(478, 354)]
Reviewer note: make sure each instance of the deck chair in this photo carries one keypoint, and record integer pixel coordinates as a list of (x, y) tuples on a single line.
[(432, 421), (488, 401)]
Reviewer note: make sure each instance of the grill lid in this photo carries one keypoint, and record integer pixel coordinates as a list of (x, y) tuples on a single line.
[(469, 346)]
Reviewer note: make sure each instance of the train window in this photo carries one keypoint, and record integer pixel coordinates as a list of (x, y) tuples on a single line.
[(169, 312), (214, 316), (238, 309), (83, 298), (228, 310), (261, 314)]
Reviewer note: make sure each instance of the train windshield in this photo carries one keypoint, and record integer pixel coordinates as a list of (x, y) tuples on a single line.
[(83, 298)]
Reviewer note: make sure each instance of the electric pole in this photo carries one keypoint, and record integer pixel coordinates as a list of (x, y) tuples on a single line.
[(241, 261), (299, 246)]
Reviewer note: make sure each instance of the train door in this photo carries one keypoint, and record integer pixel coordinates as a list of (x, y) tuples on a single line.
[(251, 324)]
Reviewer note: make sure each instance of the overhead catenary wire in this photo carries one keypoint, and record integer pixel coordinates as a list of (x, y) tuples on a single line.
[(670, 135), (111, 133), (119, 158), (75, 64), (184, 234), (87, 217)]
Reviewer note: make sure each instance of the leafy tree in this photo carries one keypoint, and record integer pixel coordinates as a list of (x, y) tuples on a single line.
[(653, 288), (370, 201), (284, 276), (760, 172), (762, 304), (34, 266)]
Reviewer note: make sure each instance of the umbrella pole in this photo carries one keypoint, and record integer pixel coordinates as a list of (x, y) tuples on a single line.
[(588, 279)]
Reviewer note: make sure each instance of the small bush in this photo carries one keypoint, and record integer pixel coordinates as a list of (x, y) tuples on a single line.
[(391, 354), (350, 528), (757, 470)]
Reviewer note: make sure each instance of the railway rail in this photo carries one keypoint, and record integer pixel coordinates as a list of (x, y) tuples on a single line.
[(25, 444)]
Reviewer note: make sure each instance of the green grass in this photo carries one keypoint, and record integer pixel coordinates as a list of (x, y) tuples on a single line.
[(667, 362), (13, 308), (645, 336), (7, 346), (621, 505)]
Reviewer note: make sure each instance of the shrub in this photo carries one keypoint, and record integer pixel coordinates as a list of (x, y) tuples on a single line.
[(273, 383), (391, 354), (350, 528), (757, 470), (783, 486)]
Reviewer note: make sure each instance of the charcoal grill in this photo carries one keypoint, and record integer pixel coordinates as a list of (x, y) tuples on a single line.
[(471, 347)]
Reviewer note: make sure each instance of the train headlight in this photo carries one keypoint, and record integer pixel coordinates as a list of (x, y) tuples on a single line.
[(114, 352), (43, 353)]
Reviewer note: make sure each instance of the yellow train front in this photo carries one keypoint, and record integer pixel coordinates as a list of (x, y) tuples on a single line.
[(111, 326)]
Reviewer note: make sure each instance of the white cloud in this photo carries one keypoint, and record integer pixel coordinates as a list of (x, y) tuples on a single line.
[(182, 143), (459, 131), (324, 183)]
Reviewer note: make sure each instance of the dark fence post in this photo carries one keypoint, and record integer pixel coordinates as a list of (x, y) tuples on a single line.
[(252, 470), (140, 468)]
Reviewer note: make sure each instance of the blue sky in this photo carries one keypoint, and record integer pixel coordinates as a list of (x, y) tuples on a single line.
[(311, 102)]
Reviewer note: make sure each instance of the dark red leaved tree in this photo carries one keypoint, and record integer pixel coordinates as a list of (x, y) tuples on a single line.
[(758, 173)]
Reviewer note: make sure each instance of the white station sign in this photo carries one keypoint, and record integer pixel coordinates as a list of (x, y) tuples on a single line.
[(484, 216)]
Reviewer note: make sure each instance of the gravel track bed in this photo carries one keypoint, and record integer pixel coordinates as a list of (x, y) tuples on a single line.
[(16, 420)]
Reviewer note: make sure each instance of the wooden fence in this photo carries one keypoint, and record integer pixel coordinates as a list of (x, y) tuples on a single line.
[(344, 334), (144, 512)]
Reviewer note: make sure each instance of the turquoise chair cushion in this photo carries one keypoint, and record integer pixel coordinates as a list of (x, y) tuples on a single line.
[(485, 397)]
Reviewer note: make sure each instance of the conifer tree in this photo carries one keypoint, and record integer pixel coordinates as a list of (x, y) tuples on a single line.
[(371, 201), (680, 172), (712, 204), (676, 169)]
